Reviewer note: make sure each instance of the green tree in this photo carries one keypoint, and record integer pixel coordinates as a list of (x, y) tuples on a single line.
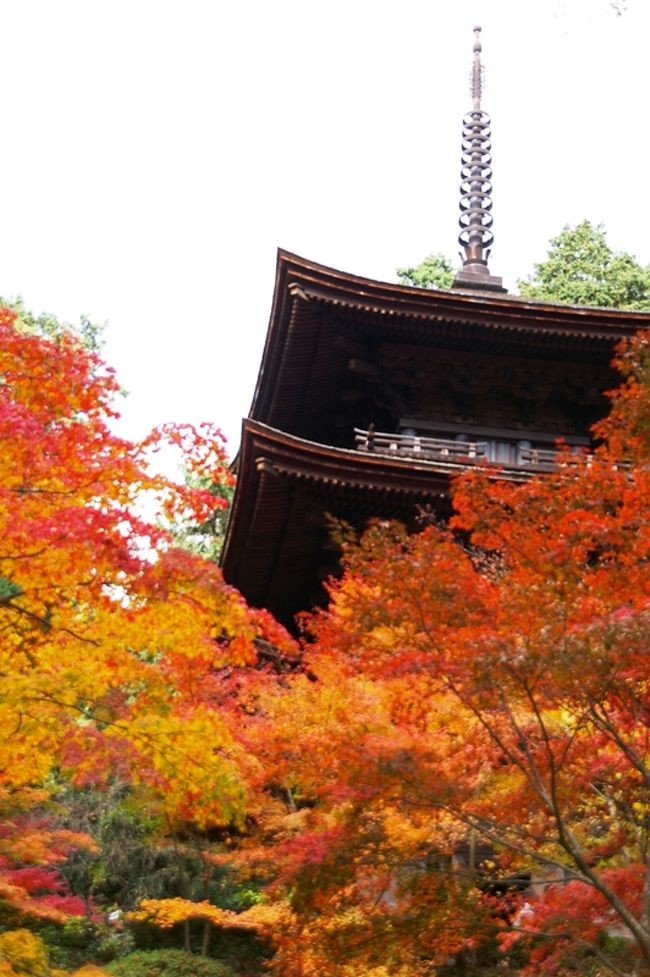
[(434, 272), (582, 269), (50, 327), (207, 538)]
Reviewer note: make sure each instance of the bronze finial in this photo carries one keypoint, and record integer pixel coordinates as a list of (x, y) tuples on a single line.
[(475, 220)]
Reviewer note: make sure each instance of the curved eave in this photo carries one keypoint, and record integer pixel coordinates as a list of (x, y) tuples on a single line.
[(267, 451), (272, 545), (274, 468), (426, 300), (304, 289)]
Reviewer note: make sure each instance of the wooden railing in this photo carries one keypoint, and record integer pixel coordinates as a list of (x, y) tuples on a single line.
[(443, 450), (539, 457)]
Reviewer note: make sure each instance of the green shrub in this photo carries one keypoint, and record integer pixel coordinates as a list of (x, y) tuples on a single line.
[(78, 940), (167, 963)]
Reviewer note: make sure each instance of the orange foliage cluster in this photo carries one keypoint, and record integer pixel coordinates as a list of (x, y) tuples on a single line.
[(166, 913)]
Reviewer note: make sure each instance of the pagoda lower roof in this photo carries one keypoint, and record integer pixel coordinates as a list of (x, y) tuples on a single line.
[(273, 552)]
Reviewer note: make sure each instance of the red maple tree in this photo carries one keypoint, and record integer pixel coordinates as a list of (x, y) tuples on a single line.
[(470, 768)]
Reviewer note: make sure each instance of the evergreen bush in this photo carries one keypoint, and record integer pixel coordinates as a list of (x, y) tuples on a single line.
[(167, 963)]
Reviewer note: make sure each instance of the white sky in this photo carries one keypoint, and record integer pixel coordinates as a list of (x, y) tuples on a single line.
[(157, 152)]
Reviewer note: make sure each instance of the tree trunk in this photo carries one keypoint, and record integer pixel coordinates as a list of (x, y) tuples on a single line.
[(184, 892)]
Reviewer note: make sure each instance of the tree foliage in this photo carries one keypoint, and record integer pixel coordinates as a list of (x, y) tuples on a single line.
[(206, 539), (167, 963), (461, 767), (114, 642), (22, 952), (579, 269), (453, 771), (435, 271), (50, 326), (582, 269)]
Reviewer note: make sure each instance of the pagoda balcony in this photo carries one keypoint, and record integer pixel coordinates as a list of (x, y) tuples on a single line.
[(459, 452)]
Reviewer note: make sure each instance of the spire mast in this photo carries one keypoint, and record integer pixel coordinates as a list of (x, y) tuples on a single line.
[(475, 220)]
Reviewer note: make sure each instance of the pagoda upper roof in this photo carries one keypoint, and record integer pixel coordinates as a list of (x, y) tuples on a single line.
[(297, 361)]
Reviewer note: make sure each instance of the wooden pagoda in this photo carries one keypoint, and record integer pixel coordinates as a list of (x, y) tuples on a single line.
[(372, 396)]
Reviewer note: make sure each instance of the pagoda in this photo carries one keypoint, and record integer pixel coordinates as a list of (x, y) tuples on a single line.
[(372, 396)]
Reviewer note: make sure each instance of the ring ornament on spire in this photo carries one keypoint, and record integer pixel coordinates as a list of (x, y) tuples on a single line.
[(475, 220)]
